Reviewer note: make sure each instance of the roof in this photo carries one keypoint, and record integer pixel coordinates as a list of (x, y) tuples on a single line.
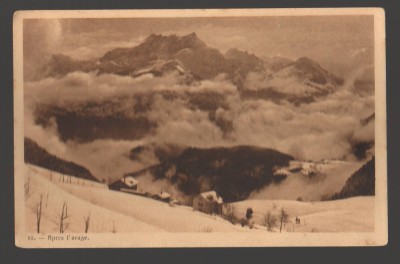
[(174, 201), (295, 164), (212, 196), (163, 195), (282, 171), (130, 181)]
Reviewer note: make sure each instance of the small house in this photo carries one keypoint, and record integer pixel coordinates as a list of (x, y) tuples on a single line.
[(309, 168), (163, 196), (208, 202), (127, 183), (175, 202), (282, 172)]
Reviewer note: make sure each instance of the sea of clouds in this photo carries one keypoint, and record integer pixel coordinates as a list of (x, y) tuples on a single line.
[(319, 130)]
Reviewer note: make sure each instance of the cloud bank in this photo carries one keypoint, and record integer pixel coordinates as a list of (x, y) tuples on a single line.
[(323, 129)]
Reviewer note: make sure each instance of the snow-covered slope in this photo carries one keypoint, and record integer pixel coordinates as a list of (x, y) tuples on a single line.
[(102, 220), (348, 215), (115, 212), (110, 211)]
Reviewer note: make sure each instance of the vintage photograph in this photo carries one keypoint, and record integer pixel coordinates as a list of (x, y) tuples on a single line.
[(194, 127)]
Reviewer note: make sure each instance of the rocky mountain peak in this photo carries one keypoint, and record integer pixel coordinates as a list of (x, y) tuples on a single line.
[(174, 42), (235, 53), (306, 63), (247, 60), (308, 67)]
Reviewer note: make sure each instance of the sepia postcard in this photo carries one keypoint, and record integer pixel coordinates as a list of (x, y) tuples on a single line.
[(200, 128)]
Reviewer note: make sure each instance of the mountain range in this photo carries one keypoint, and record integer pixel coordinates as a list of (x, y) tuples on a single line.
[(190, 56), (277, 79)]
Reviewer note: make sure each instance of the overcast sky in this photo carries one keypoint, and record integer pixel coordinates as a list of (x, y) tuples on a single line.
[(339, 43)]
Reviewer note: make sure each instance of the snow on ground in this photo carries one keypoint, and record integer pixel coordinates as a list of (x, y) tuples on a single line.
[(110, 210), (155, 213), (355, 214), (102, 220)]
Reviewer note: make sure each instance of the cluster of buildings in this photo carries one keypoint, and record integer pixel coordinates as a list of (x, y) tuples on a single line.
[(129, 184), (295, 166), (207, 202)]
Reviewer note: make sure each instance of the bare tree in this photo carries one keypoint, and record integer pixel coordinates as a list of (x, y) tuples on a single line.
[(249, 213), (63, 217), (270, 221), (230, 213), (47, 198), (39, 214), (87, 222), (206, 229), (114, 230), (27, 188), (283, 218)]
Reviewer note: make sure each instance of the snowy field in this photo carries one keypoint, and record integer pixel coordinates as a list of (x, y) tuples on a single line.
[(355, 214), (111, 211), (115, 212)]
